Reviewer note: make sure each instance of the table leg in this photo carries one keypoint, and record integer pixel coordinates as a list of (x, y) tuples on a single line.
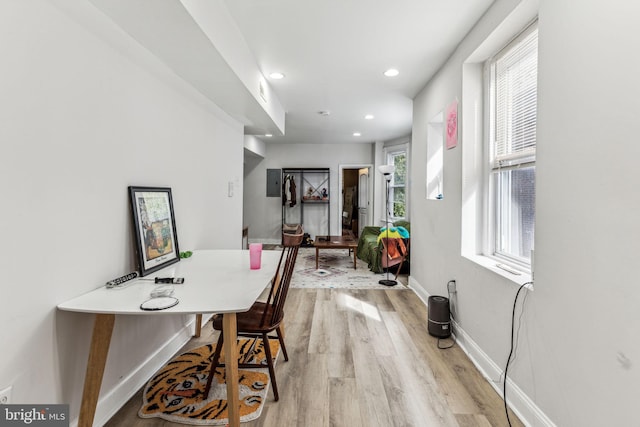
[(198, 330), (354, 260), (317, 250), (229, 329), (100, 341)]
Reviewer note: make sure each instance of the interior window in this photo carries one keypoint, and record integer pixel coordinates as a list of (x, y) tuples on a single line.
[(397, 186), (512, 88)]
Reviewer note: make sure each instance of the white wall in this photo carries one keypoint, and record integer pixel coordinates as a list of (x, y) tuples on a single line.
[(578, 354), (263, 214), (81, 121), (254, 146)]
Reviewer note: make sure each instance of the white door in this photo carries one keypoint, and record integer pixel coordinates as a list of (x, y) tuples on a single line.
[(363, 199)]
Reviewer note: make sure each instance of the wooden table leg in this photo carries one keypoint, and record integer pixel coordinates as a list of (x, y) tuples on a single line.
[(317, 250), (100, 341), (354, 260), (198, 330), (229, 329)]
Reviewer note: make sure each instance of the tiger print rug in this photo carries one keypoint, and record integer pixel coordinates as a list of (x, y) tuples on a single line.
[(175, 393)]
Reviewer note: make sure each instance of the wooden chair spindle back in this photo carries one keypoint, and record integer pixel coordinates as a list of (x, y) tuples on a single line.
[(280, 284)]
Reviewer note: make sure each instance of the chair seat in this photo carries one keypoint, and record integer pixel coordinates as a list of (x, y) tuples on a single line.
[(250, 321)]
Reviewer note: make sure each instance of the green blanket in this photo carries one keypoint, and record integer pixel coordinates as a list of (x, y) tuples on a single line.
[(368, 248)]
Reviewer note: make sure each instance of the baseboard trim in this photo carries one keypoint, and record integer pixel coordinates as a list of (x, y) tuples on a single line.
[(117, 397), (419, 290), (266, 241), (525, 408)]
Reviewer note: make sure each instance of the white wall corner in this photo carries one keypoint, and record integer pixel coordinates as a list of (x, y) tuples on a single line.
[(255, 145), (525, 408), (379, 184)]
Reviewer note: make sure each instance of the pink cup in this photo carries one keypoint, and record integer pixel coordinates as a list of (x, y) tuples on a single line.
[(255, 255)]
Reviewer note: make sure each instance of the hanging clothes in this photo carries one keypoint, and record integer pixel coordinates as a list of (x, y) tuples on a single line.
[(289, 191), (292, 192), (285, 190)]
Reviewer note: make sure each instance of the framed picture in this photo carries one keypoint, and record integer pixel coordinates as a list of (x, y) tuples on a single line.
[(452, 125), (154, 227)]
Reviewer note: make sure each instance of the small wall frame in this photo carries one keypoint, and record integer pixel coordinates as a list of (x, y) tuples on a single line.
[(154, 228)]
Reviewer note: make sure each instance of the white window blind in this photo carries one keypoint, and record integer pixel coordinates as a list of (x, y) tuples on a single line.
[(513, 106), (514, 86)]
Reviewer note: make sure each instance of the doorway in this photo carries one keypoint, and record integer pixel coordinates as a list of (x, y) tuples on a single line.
[(354, 206)]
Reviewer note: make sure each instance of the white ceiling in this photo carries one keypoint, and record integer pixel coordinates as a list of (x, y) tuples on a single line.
[(334, 53)]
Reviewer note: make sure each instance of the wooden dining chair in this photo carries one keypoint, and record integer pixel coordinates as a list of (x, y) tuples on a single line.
[(394, 252), (264, 318)]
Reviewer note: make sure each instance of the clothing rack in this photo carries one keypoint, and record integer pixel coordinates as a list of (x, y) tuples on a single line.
[(306, 199)]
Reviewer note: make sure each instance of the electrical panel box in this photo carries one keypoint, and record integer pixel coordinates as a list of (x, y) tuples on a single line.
[(274, 182)]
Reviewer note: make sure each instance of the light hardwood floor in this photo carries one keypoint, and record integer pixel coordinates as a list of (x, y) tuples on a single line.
[(363, 358)]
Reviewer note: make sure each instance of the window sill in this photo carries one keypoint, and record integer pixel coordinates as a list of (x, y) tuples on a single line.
[(517, 276)]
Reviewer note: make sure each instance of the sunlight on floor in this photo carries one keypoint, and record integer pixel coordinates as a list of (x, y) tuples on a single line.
[(360, 306)]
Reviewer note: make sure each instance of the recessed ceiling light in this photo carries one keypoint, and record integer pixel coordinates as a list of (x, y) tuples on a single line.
[(357, 134), (391, 72), (369, 117), (276, 76), (268, 135)]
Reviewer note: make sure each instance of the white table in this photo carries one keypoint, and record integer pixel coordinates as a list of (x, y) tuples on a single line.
[(216, 281)]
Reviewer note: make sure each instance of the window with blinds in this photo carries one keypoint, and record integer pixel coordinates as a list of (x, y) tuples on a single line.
[(513, 75), (514, 89)]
